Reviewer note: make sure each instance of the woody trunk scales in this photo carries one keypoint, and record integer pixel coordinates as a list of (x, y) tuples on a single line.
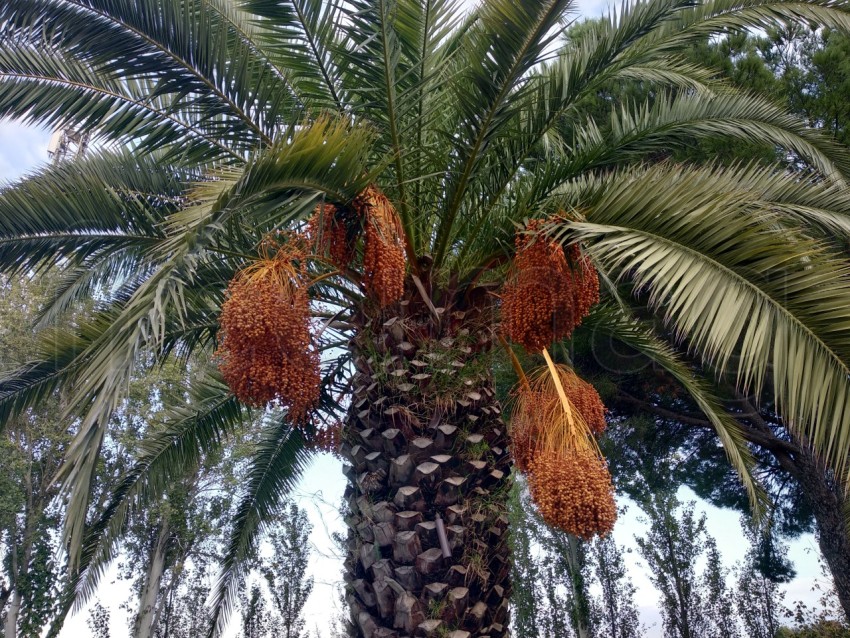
[(428, 450)]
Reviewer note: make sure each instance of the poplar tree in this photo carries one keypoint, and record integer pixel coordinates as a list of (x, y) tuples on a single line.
[(673, 543), (615, 612)]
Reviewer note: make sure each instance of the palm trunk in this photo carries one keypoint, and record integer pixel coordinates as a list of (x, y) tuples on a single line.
[(828, 503), (429, 463)]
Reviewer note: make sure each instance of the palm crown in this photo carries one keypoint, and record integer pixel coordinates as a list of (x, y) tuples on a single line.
[(221, 122)]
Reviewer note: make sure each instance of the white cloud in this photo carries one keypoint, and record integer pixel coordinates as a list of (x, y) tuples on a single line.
[(593, 8), (22, 148)]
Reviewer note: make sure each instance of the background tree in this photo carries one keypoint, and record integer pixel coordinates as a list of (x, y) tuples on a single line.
[(257, 620), (98, 621), (824, 619), (525, 569), (184, 613), (759, 600), (615, 612), (718, 598), (31, 449), (285, 570), (565, 568), (674, 542), (556, 583)]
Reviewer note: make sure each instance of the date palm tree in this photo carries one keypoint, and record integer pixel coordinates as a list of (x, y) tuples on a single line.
[(220, 123)]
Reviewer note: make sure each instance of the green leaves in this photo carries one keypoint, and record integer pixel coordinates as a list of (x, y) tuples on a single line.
[(752, 297), (157, 74), (301, 38)]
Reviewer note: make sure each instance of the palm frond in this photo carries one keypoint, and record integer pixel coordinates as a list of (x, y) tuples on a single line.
[(45, 85), (281, 185), (278, 461), (67, 215), (638, 131), (613, 322), (753, 299), (302, 38), (141, 72), (698, 21), (187, 434), (509, 40)]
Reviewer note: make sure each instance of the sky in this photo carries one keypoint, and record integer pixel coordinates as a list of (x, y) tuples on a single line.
[(24, 148)]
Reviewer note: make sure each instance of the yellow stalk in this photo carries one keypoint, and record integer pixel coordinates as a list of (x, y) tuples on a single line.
[(556, 377), (515, 363)]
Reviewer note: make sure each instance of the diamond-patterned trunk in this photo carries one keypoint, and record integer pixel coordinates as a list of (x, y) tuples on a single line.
[(427, 551)]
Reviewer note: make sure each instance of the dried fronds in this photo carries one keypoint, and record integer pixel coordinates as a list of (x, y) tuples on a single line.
[(541, 423), (548, 290), (574, 493), (266, 352), (383, 252)]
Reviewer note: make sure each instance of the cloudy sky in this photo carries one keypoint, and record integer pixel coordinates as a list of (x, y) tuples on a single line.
[(23, 148)]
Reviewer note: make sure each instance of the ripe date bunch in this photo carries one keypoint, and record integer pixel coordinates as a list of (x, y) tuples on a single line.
[(383, 250), (574, 492), (334, 231), (553, 423), (266, 352), (548, 291)]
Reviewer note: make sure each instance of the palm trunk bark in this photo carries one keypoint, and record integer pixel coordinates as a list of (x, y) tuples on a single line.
[(828, 503), (428, 453)]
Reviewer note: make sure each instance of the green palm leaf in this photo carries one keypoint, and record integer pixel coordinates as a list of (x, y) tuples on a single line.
[(615, 323), (764, 303), (188, 434)]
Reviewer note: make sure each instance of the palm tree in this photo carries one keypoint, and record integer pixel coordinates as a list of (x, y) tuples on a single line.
[(224, 126)]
